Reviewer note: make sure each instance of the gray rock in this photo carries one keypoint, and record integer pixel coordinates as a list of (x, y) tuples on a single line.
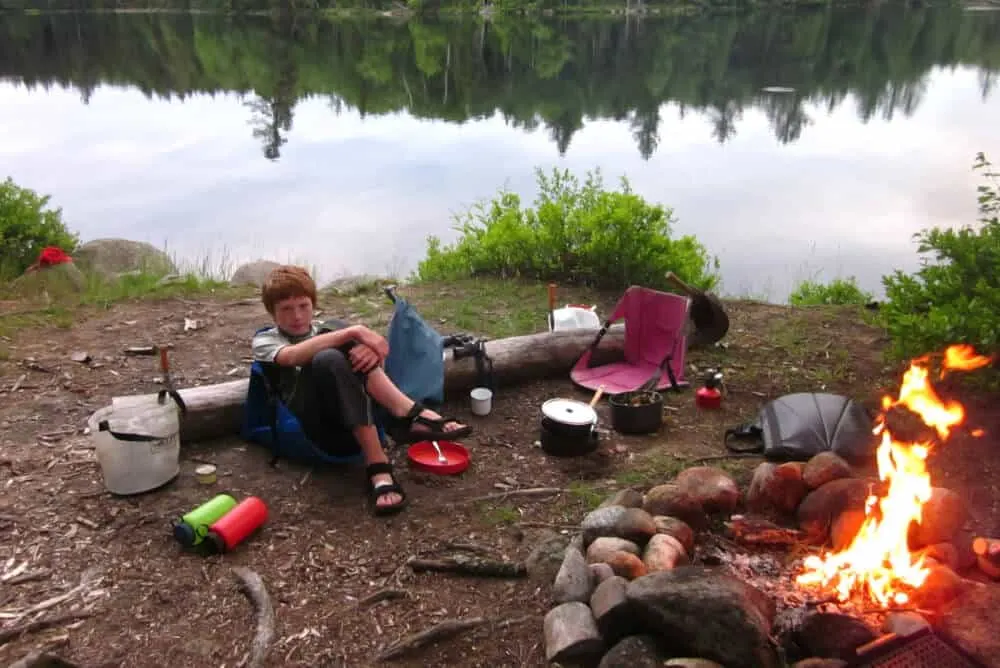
[(111, 257), (600, 572), (633, 652), (632, 524), (628, 498), (573, 581), (971, 621), (706, 613), (611, 609), (691, 663), (829, 635), (546, 556), (571, 634), (253, 273)]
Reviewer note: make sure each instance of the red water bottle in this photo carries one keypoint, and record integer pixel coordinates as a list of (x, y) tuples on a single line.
[(235, 526), (710, 396)]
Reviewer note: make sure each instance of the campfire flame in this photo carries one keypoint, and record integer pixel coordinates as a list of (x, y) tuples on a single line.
[(878, 563)]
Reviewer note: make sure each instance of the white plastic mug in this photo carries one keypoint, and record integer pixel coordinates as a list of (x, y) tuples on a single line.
[(482, 400)]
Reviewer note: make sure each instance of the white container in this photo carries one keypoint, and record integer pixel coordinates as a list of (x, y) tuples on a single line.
[(141, 448), (575, 317), (482, 401)]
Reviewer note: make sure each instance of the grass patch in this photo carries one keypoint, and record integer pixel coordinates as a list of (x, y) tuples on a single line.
[(498, 515), (651, 468), (488, 307), (590, 496), (62, 307)]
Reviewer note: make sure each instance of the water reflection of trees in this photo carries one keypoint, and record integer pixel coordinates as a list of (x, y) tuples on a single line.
[(548, 75)]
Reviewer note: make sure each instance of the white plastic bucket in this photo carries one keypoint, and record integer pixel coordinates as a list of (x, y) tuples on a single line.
[(136, 466), (575, 317), (482, 401)]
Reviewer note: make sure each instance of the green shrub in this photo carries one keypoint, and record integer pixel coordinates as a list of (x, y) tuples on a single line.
[(577, 233), (26, 227), (955, 296), (841, 291)]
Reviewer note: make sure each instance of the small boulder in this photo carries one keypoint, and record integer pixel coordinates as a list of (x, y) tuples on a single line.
[(776, 488), (711, 487), (573, 581), (113, 257), (633, 652), (629, 498), (611, 609), (571, 634), (708, 613), (942, 586), (676, 528), (253, 273), (691, 663), (670, 499), (605, 546), (904, 623), (632, 524), (824, 504), (846, 527), (942, 518), (664, 553), (546, 556), (626, 565), (831, 635), (600, 572), (823, 468)]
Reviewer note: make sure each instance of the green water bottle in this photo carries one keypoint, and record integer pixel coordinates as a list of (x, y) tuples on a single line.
[(192, 528)]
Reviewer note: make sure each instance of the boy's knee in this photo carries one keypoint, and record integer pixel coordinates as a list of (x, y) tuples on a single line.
[(330, 360)]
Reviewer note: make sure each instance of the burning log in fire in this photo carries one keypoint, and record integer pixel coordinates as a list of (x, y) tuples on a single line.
[(878, 563)]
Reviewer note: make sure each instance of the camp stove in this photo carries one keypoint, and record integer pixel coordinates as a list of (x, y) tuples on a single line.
[(920, 649)]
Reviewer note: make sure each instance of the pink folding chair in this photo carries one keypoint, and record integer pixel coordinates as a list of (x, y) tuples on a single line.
[(654, 338)]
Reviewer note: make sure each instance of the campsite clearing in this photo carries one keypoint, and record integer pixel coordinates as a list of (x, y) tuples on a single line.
[(338, 577)]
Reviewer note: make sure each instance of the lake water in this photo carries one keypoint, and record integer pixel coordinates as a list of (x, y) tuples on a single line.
[(343, 144)]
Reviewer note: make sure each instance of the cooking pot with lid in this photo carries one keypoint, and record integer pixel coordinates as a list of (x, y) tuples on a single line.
[(568, 428)]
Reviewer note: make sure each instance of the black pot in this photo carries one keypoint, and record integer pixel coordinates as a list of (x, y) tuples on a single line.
[(644, 418), (561, 440)]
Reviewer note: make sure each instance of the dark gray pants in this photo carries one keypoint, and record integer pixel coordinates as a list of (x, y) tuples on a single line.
[(331, 401)]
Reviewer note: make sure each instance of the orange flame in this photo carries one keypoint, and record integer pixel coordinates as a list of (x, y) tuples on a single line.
[(878, 562)]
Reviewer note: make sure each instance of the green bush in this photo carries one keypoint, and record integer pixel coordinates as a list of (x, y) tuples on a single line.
[(26, 227), (577, 233), (841, 291), (955, 296)]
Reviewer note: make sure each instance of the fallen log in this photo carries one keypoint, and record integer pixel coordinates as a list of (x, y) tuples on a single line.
[(215, 411), (463, 564)]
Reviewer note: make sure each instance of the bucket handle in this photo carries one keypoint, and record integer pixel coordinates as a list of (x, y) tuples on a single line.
[(161, 398)]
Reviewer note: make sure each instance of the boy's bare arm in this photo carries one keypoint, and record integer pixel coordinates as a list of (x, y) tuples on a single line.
[(300, 354)]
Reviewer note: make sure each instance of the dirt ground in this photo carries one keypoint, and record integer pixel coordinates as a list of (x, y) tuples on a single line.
[(322, 552)]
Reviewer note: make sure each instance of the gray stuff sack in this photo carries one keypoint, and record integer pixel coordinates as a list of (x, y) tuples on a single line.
[(796, 427)]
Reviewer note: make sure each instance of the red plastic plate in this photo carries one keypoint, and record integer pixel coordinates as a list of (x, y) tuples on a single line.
[(423, 457)]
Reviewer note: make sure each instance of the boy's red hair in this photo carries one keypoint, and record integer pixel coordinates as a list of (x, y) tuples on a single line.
[(284, 282)]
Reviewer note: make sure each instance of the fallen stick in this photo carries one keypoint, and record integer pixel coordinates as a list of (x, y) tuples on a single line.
[(464, 564), (253, 587), (16, 631), (440, 631), (387, 594), (28, 577), (37, 658), (534, 491)]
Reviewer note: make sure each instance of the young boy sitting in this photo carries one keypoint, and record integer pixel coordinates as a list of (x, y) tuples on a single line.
[(329, 373)]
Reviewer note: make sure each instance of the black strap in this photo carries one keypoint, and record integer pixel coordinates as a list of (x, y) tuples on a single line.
[(747, 437)]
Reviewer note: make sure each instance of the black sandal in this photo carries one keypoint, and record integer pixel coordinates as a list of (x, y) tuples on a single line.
[(381, 489), (436, 431)]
